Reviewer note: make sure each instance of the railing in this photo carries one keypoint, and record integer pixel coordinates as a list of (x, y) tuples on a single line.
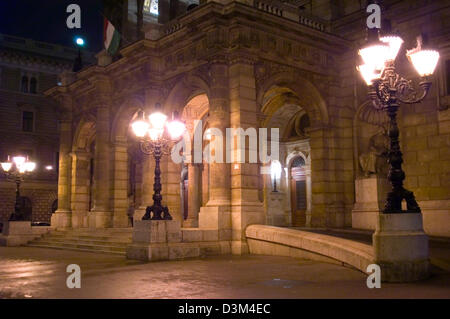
[(172, 27), (269, 8), (311, 23), (288, 12)]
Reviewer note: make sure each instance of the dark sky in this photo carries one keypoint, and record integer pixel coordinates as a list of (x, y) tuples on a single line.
[(45, 20)]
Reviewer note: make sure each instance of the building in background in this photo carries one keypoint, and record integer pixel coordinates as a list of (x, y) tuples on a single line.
[(29, 120)]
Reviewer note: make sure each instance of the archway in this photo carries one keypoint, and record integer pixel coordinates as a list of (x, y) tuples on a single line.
[(296, 108), (82, 181), (195, 183)]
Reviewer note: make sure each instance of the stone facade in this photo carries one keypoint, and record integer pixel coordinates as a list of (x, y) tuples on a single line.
[(246, 64)]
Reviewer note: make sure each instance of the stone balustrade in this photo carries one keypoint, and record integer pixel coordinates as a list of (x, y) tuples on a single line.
[(271, 240)]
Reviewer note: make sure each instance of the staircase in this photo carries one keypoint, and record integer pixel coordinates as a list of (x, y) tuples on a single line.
[(109, 241)]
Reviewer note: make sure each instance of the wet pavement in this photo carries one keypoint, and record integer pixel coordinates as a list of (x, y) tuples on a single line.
[(27, 272)]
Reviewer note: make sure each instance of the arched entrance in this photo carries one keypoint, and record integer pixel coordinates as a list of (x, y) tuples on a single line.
[(298, 192)]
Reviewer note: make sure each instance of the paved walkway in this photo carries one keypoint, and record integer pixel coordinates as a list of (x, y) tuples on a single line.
[(27, 272)]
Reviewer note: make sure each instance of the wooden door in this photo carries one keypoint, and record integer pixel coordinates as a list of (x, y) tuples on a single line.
[(298, 196)]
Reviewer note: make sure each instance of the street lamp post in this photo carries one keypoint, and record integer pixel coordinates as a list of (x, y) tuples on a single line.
[(387, 89), (153, 140), (15, 171)]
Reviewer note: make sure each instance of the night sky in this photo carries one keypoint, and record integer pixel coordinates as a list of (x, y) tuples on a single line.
[(45, 20)]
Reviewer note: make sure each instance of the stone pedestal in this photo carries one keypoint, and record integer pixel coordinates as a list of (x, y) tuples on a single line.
[(370, 196), (275, 213), (16, 233), (103, 58), (159, 240), (401, 247)]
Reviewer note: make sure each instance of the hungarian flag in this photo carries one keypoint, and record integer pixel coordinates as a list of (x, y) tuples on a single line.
[(111, 37)]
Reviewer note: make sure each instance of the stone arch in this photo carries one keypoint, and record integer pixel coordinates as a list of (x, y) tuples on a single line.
[(123, 118), (305, 91), (185, 90), (84, 134)]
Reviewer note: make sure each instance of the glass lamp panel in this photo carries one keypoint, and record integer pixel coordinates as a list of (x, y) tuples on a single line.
[(18, 160), (275, 169), (140, 128), (157, 120), (368, 73), (424, 61), (394, 42), (6, 166), (375, 55), (176, 128), (30, 166)]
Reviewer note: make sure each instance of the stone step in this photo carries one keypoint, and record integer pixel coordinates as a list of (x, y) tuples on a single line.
[(101, 238), (91, 247), (76, 249), (112, 242)]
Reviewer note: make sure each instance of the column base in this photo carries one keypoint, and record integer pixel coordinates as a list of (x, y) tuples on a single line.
[(61, 219), (401, 247), (79, 219), (216, 218), (99, 219), (190, 223), (16, 233)]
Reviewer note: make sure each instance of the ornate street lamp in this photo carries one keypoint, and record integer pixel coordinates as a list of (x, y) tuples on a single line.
[(387, 89), (156, 136), (275, 173), (16, 171)]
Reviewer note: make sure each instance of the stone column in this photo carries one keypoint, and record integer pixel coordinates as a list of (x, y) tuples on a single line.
[(205, 184), (80, 184), (246, 206), (63, 215), (120, 182), (170, 175), (194, 193), (101, 216), (216, 215)]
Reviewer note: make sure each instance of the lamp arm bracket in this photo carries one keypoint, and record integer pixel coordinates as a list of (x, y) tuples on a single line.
[(409, 95)]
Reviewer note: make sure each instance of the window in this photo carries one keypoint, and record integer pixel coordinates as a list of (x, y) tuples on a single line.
[(447, 76), (33, 85), (27, 121), (24, 84), (151, 6)]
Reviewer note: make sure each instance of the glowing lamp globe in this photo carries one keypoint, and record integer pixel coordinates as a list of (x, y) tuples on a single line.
[(176, 129), (275, 169), (157, 120), (30, 166), (424, 61), (79, 41), (6, 166), (368, 73), (375, 55), (394, 42), (19, 160)]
